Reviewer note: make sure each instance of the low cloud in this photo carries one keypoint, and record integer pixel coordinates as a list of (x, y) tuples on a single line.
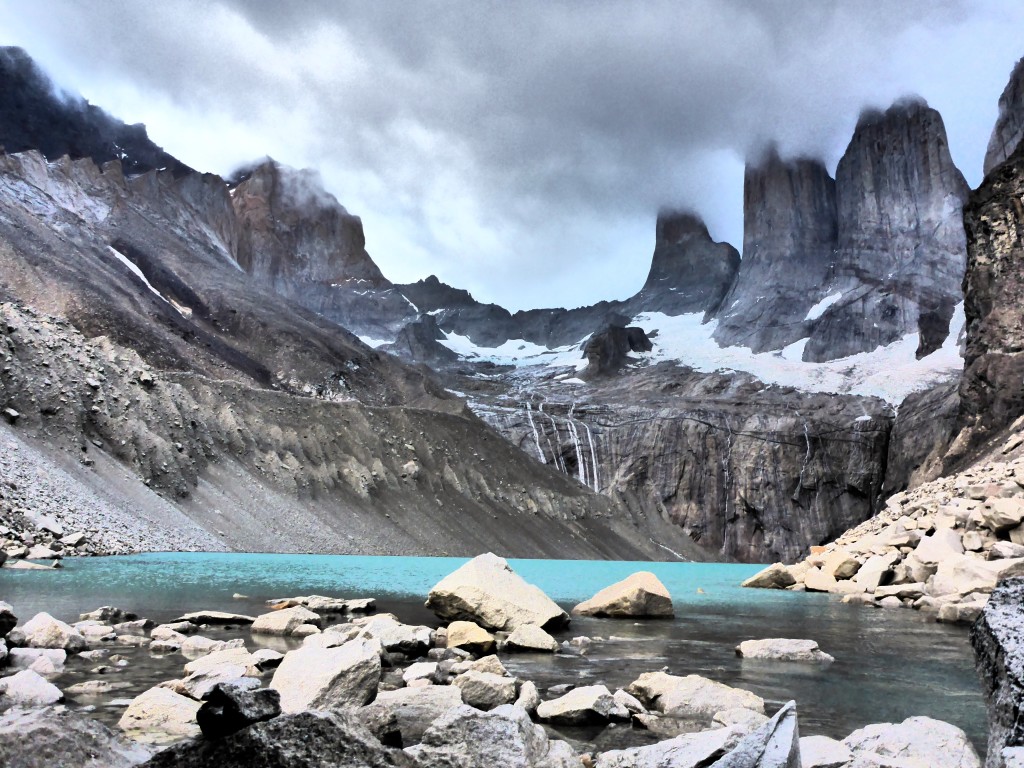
[(523, 150)]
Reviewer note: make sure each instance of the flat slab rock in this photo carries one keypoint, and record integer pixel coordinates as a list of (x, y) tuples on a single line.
[(783, 649)]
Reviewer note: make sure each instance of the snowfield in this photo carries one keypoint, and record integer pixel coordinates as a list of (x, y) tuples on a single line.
[(890, 372)]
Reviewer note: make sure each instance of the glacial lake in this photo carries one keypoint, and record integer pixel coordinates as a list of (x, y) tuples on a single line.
[(890, 664)]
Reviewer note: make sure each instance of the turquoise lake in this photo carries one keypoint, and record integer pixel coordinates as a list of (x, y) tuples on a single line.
[(890, 664)]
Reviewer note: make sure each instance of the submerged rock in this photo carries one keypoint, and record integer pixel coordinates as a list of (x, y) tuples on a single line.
[(487, 591)]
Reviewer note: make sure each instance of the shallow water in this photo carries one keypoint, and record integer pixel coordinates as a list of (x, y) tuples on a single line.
[(890, 664)]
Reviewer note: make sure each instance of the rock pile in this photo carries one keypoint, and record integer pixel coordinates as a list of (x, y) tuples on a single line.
[(941, 547)]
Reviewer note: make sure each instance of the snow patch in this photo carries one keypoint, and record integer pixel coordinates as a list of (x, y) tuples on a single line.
[(517, 352), (372, 342), (183, 311), (819, 309)]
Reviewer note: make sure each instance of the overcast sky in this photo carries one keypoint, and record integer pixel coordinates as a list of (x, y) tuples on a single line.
[(522, 150)]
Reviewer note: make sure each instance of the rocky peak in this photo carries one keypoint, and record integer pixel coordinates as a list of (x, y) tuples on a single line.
[(607, 351), (430, 294), (901, 246), (34, 114), (789, 241), (1009, 127), (690, 272)]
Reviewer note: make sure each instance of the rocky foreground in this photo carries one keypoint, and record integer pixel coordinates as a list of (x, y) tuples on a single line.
[(354, 688)]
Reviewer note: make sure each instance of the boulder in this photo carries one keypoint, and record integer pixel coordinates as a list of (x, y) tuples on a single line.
[(627, 700), (966, 573), (323, 678), (485, 690), (916, 741), (776, 744), (29, 658), (1002, 514), (876, 571), (8, 620), (529, 697), (817, 580), (28, 689), (55, 737), (197, 646), (108, 614), (1004, 550), (745, 720), (693, 696), (470, 637), (200, 685), (840, 565), (285, 622), (530, 637), (998, 641), (780, 649), (229, 657), (42, 552), (394, 636), (689, 750), (44, 631), (941, 545), (160, 716), (414, 709), (304, 740), (640, 595), (823, 752), (467, 738), (486, 590), (775, 576), (421, 670), (229, 709), (588, 704)]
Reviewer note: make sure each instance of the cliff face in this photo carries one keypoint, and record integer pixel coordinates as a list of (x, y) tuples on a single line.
[(298, 239), (901, 246), (990, 391), (749, 472), (789, 243), (33, 115), (1009, 127), (690, 272)]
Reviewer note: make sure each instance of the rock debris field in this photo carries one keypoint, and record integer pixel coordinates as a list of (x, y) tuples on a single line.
[(318, 680)]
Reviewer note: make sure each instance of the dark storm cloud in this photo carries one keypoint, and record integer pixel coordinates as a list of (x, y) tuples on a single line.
[(523, 149)]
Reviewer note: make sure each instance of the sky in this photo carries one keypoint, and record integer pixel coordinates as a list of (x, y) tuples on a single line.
[(522, 150)]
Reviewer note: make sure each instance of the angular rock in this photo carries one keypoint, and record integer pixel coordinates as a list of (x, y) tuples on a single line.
[(285, 622), (640, 595), (216, 617), (485, 690), (780, 649), (414, 709), (776, 744), (305, 740), (965, 574), (817, 580), (28, 689), (998, 640), (775, 576), (1002, 514), (44, 631), (588, 704), (55, 737), (744, 720), (107, 614), (394, 636), (941, 545), (876, 571), (921, 739), (486, 590), (469, 636), (689, 750), (198, 646), (228, 709), (328, 678), (692, 696), (8, 620), (467, 738), (529, 697), (823, 752), (160, 716), (421, 670), (530, 637), (841, 565), (1009, 127)]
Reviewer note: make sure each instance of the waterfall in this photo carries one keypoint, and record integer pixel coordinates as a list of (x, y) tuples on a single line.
[(556, 451), (593, 456), (536, 436), (581, 465)]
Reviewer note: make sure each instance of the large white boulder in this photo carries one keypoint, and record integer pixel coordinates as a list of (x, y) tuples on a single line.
[(1002, 514), (486, 690), (967, 573), (590, 703), (692, 696), (487, 591), (783, 649), (160, 716), (285, 622), (823, 752), (395, 636), (530, 637), (44, 631), (28, 689), (775, 576), (325, 678), (941, 545), (640, 595), (917, 741)]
